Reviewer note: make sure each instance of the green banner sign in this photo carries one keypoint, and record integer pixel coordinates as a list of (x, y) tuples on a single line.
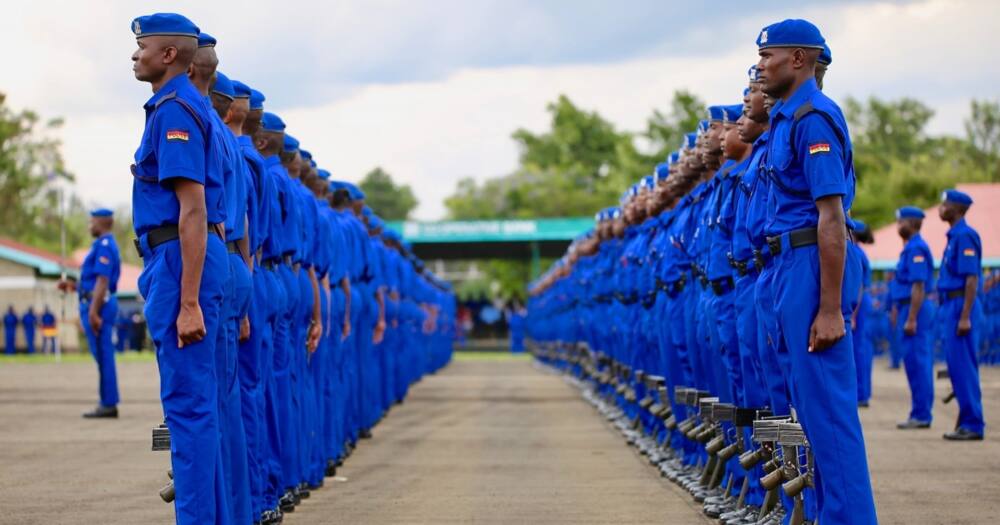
[(492, 231)]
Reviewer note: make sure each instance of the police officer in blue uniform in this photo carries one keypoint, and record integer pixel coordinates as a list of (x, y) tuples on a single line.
[(99, 307), (10, 330), (914, 278), (28, 321), (809, 164), (958, 289), (178, 207)]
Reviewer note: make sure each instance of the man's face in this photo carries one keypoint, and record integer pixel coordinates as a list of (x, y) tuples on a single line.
[(775, 70), (93, 227), (753, 104), (749, 130), (220, 104), (150, 59), (252, 122), (732, 146), (820, 74)]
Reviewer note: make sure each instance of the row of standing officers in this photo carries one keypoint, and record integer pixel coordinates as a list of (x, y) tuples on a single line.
[(286, 318), (733, 270)]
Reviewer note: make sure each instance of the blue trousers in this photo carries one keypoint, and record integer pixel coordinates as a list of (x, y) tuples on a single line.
[(863, 347), (188, 382), (251, 390), (275, 305), (235, 305), (102, 349), (769, 341), (960, 353), (284, 340), (10, 338), (918, 360), (824, 391)]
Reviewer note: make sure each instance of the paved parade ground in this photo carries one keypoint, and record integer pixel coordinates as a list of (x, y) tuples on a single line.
[(487, 440)]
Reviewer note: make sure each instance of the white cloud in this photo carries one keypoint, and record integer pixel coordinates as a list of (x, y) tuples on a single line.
[(431, 133)]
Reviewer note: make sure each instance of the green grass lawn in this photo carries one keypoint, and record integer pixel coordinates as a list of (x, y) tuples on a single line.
[(71, 358)]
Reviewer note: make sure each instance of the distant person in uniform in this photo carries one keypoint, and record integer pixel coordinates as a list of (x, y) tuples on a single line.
[(122, 327), (29, 321), (49, 331), (99, 307), (958, 288), (10, 330)]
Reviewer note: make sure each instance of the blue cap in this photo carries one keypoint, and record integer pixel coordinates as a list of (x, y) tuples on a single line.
[(956, 197), (101, 212), (242, 90), (256, 99), (909, 212), (164, 24), (312, 163), (791, 33), (305, 154), (732, 112), (272, 122), (336, 185), (702, 127), (206, 40), (674, 157), (825, 56), (224, 86), (291, 144), (648, 182), (715, 113), (753, 74), (323, 174), (690, 140)]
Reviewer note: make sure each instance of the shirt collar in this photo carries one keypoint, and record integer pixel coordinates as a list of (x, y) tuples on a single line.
[(958, 225), (272, 160), (801, 95), (172, 85)]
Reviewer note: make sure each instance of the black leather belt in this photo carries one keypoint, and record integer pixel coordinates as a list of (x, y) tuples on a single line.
[(796, 239), (164, 234), (741, 267), (953, 294), (722, 286)]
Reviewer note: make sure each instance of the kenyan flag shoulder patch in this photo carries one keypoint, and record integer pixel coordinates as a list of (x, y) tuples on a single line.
[(177, 135), (820, 147)]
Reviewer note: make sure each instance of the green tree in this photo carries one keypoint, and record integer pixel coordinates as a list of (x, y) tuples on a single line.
[(390, 201), (30, 165), (664, 131)]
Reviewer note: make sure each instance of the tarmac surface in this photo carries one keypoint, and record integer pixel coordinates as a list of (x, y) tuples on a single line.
[(487, 440)]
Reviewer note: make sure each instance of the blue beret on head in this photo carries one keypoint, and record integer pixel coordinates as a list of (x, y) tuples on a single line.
[(305, 154), (702, 127), (171, 24), (690, 140), (354, 191), (272, 122), (375, 222), (753, 74), (909, 212), (648, 182), (366, 211), (101, 212), (206, 40), (825, 56), (312, 163), (733, 112), (256, 99), (956, 197), (336, 185), (662, 171), (716, 112), (791, 33), (674, 157), (242, 90), (291, 144), (224, 86)]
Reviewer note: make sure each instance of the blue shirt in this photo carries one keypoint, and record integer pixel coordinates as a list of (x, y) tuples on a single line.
[(233, 175), (963, 256), (916, 265), (261, 194), (104, 260), (724, 218), (751, 204), (815, 163), (176, 143)]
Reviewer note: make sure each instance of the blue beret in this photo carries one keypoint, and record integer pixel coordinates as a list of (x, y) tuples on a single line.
[(312, 163), (616, 212), (224, 86), (164, 24), (101, 212), (390, 234), (825, 56), (323, 174), (956, 197), (648, 182), (242, 90), (206, 40), (702, 127), (291, 144), (791, 33), (599, 216), (910, 212), (336, 185), (354, 191), (257, 99), (715, 112), (272, 122), (662, 171), (367, 211), (674, 157), (374, 222), (305, 154), (753, 74), (732, 113), (690, 140)]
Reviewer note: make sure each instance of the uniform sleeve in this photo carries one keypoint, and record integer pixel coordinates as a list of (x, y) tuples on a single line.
[(180, 144), (104, 259), (968, 255), (919, 266), (822, 157)]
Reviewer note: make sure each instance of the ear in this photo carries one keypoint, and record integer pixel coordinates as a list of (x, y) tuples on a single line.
[(169, 55), (799, 58)]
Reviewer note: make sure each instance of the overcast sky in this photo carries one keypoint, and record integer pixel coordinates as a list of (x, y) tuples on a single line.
[(431, 90)]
